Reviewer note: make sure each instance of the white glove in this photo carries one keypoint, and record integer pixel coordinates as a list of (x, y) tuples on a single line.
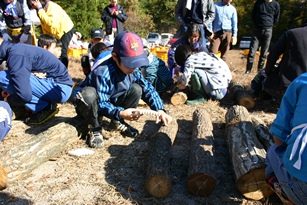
[(23, 38), (6, 37)]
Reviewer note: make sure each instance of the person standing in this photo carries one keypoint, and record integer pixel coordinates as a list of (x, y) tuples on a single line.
[(265, 15), (113, 17), (15, 21), (201, 12), (225, 28), (56, 22)]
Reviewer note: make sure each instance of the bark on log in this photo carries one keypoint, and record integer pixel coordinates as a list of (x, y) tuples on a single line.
[(247, 154), (22, 159), (241, 96), (158, 182), (179, 98), (263, 134), (201, 181)]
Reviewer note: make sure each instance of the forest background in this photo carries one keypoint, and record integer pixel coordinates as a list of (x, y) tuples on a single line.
[(146, 16)]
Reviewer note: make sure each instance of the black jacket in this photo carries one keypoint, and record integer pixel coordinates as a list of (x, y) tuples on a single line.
[(293, 45), (107, 18)]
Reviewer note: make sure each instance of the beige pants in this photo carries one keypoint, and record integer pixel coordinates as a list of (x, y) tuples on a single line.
[(113, 35)]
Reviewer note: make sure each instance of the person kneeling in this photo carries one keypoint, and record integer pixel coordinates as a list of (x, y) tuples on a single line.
[(208, 75)]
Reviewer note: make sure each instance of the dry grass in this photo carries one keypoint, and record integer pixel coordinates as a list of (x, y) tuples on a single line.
[(115, 174)]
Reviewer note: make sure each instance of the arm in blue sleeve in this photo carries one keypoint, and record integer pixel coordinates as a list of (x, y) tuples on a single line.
[(149, 95), (281, 126)]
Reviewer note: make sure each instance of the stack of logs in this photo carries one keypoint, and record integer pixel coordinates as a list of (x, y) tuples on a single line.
[(247, 140)]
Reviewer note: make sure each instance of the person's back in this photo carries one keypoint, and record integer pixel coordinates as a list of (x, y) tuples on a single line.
[(292, 45), (35, 59), (286, 159), (157, 73)]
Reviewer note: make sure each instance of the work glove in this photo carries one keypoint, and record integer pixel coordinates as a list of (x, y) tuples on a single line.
[(23, 38), (6, 37), (234, 40)]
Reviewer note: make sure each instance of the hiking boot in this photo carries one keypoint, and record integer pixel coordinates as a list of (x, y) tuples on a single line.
[(43, 115), (199, 99), (95, 139), (124, 128)]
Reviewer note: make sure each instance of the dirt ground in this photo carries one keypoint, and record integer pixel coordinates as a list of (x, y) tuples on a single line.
[(115, 174)]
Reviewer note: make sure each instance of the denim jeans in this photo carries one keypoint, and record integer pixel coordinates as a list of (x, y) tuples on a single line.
[(295, 189)]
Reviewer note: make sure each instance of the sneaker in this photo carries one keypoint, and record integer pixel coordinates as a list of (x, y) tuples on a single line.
[(44, 115), (95, 139), (124, 128)]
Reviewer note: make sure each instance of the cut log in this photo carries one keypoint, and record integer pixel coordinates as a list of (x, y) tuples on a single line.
[(3, 178), (201, 177), (241, 96), (179, 98), (247, 154), (158, 182), (22, 159), (263, 133)]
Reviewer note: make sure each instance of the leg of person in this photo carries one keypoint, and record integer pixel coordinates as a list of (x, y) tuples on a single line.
[(265, 44), (85, 64), (65, 39), (115, 31), (17, 106), (45, 94), (129, 100), (203, 36), (252, 50), (216, 42), (286, 187), (198, 87), (86, 105), (6, 119), (29, 40), (257, 83), (225, 45)]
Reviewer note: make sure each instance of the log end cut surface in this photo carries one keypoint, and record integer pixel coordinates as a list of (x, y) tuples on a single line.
[(247, 102), (253, 185), (201, 184), (179, 98), (159, 186)]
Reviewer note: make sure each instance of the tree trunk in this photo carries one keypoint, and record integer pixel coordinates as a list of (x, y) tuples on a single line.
[(247, 154), (158, 182), (201, 181), (21, 160), (241, 96), (179, 98), (263, 134)]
